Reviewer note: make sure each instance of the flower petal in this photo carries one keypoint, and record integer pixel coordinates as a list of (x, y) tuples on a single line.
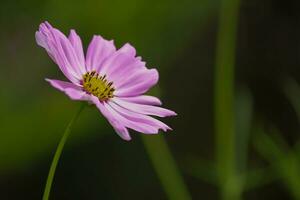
[(143, 99), (137, 83), (116, 124), (144, 109), (128, 73), (99, 49), (114, 63), (70, 89), (119, 66), (44, 39), (67, 52), (77, 46), (128, 49), (131, 122), (60, 50), (144, 120)]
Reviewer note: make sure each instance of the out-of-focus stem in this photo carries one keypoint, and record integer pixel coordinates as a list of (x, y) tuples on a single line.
[(224, 99), (165, 167)]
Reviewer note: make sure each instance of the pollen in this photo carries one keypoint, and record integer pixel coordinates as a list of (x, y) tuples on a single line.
[(98, 86)]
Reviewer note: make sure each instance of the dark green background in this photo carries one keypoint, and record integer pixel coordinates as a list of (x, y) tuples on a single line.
[(178, 38)]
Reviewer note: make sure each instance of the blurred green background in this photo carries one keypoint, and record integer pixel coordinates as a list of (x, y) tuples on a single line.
[(188, 42)]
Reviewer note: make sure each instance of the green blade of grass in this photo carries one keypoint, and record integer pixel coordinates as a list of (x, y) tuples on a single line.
[(165, 167), (224, 97)]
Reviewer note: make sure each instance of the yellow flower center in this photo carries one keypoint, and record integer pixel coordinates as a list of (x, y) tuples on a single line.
[(98, 85)]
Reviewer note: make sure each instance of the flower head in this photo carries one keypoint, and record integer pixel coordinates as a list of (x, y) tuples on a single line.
[(115, 80)]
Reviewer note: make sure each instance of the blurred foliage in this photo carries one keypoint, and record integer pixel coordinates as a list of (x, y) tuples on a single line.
[(178, 38), (284, 160)]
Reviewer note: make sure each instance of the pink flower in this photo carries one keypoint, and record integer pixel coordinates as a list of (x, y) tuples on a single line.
[(114, 80)]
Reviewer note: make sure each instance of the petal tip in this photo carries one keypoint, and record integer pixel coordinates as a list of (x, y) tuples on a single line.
[(170, 113), (124, 134), (174, 114), (127, 139), (166, 128)]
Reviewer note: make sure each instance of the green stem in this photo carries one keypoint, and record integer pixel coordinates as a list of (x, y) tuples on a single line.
[(165, 167), (58, 153), (224, 98)]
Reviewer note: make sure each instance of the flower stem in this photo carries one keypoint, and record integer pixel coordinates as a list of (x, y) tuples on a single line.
[(58, 153), (224, 99), (165, 167)]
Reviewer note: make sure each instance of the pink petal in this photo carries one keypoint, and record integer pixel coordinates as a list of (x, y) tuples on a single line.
[(116, 124), (144, 109), (113, 63), (121, 63), (42, 40), (67, 52), (130, 123), (143, 99), (140, 118), (119, 66), (128, 50), (137, 83), (128, 73), (60, 50), (77, 46), (99, 49), (70, 89), (45, 39)]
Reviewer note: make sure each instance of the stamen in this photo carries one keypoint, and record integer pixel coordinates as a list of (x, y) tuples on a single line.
[(98, 86)]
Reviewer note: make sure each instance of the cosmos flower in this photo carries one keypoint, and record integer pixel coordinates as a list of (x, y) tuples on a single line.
[(114, 80)]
